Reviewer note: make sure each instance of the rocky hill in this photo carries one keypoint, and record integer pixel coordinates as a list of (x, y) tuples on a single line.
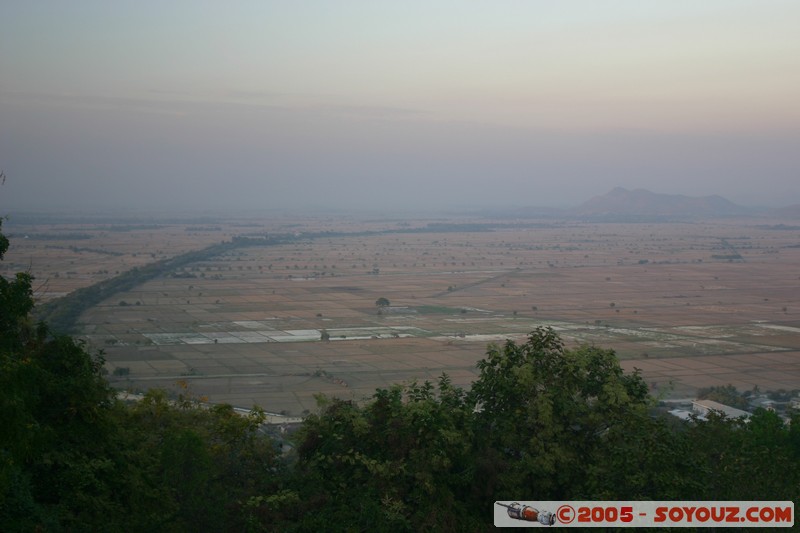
[(622, 202)]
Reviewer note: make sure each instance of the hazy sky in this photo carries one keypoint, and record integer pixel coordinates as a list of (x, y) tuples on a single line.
[(396, 104)]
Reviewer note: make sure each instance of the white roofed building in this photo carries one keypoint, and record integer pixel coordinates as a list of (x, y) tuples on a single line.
[(703, 407)]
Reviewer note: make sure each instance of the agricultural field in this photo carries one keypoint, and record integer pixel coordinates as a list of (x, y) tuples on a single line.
[(690, 304)]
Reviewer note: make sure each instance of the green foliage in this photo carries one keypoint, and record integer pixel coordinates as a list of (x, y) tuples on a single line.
[(543, 409), (197, 464), (16, 303), (74, 458), (393, 464), (56, 447), (644, 458), (748, 460)]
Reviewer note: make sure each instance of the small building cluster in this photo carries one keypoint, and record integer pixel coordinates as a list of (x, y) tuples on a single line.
[(700, 409)]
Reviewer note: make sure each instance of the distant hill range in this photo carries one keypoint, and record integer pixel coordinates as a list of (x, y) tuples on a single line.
[(640, 203)]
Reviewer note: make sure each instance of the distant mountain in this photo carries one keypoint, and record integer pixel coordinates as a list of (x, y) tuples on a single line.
[(640, 203)]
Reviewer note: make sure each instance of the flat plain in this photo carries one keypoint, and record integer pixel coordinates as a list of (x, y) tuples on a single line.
[(690, 304)]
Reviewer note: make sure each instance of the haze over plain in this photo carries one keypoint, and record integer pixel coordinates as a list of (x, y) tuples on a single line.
[(389, 105)]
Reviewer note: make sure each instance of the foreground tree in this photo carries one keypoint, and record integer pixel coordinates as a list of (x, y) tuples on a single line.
[(419, 457), (402, 462), (644, 457), (753, 459), (196, 466), (543, 409), (74, 458), (57, 458)]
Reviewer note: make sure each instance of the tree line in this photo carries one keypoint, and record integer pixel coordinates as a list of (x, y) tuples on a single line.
[(62, 313)]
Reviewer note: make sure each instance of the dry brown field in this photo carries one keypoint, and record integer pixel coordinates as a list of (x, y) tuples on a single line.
[(690, 304)]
